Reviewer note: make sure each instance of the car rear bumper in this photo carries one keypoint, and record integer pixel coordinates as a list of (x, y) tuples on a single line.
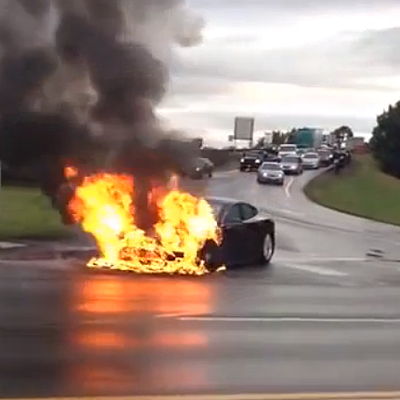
[(325, 163), (290, 171), (276, 181), (310, 166)]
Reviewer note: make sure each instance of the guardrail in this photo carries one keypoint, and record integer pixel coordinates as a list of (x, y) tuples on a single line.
[(220, 157)]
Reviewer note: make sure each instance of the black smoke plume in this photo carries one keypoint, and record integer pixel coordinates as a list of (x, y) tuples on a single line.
[(80, 80)]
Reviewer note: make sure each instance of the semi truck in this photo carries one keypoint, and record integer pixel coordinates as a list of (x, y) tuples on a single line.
[(305, 138)]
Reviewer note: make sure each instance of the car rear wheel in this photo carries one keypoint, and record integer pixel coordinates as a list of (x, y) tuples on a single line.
[(268, 249)]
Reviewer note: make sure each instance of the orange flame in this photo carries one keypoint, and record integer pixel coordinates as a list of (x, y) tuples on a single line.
[(103, 204), (70, 172)]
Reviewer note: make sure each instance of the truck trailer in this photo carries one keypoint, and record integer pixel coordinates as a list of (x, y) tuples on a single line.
[(307, 138)]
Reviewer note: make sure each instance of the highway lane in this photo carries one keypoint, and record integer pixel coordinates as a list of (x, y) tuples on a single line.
[(307, 228), (322, 318), (65, 332)]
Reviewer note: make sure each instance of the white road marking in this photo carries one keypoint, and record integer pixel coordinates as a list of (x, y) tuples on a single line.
[(292, 319), (319, 259), (287, 187), (9, 245), (315, 270)]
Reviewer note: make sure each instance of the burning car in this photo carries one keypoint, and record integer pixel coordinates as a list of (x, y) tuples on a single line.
[(191, 235)]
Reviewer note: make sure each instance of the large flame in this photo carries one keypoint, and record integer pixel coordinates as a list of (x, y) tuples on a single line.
[(103, 204)]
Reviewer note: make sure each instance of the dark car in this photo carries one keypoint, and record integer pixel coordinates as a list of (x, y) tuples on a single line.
[(248, 236), (251, 161), (292, 165), (201, 167), (326, 157)]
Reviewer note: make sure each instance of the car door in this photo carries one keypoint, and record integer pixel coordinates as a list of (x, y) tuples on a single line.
[(253, 232), (235, 236)]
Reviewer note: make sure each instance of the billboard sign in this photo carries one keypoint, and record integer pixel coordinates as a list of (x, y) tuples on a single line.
[(244, 127)]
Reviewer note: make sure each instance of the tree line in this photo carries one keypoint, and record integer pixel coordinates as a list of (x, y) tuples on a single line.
[(385, 141)]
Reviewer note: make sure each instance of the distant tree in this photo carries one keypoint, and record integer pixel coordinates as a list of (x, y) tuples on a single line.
[(291, 136), (278, 137), (260, 143), (385, 141), (343, 132)]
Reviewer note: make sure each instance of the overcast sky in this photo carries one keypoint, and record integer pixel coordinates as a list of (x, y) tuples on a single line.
[(288, 63)]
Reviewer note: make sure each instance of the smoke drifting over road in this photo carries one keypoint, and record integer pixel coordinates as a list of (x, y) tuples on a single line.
[(79, 75)]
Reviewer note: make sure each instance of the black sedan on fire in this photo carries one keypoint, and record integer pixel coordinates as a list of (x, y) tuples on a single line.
[(248, 235)]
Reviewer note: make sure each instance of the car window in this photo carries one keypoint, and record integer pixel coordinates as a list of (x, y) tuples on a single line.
[(252, 154), (248, 211), (233, 215), (271, 167)]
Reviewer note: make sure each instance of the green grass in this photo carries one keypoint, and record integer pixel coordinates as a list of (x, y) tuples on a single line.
[(27, 214), (361, 190)]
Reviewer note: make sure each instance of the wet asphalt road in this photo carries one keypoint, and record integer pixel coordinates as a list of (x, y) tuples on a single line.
[(324, 317)]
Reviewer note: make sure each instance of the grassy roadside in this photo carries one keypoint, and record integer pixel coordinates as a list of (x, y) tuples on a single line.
[(361, 190), (27, 214)]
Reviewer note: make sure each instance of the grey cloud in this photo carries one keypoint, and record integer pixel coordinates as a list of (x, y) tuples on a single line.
[(222, 120), (195, 86), (291, 5), (339, 64), (381, 47)]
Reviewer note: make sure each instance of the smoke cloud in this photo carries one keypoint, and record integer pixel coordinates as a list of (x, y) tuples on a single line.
[(83, 77)]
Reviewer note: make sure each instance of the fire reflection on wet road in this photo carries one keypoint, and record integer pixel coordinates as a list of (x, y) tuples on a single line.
[(118, 333), (72, 333)]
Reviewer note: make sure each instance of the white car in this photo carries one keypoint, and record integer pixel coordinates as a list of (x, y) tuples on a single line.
[(311, 161), (287, 150)]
